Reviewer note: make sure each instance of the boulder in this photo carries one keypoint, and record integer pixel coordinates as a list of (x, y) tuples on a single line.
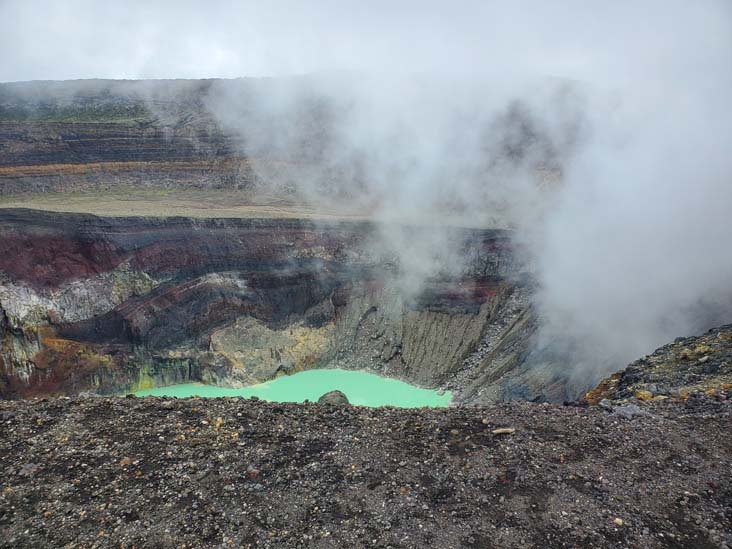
[(336, 398)]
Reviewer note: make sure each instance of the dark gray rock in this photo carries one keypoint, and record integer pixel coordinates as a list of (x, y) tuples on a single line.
[(336, 398)]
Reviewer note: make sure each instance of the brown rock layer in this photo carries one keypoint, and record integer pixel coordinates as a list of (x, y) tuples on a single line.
[(53, 157)]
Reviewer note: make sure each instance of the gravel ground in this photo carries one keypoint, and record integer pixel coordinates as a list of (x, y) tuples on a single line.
[(123, 472)]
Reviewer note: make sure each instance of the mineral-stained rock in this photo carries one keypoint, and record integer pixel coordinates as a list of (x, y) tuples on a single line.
[(334, 398), (256, 352), (674, 370), (116, 304)]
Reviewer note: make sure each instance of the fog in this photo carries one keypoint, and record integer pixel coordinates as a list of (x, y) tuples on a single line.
[(599, 131)]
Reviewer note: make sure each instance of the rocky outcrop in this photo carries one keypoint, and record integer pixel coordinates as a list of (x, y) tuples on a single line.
[(425, 344), (334, 398), (111, 304), (256, 352), (688, 365)]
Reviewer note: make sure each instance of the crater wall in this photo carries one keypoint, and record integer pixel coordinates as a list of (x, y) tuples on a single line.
[(114, 304)]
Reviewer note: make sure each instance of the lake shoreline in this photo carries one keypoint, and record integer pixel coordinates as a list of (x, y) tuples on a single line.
[(362, 389)]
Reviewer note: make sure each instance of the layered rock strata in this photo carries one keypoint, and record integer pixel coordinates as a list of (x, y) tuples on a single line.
[(115, 304), (103, 134)]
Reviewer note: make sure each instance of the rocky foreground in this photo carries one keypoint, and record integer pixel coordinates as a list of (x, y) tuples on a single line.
[(103, 472)]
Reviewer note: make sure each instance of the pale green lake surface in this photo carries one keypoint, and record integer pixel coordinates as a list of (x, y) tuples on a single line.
[(361, 388)]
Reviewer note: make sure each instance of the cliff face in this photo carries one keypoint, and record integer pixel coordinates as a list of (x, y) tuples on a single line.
[(51, 157), (109, 304), (117, 303), (101, 135)]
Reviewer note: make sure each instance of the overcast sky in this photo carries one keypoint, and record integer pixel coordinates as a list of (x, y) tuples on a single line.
[(49, 39)]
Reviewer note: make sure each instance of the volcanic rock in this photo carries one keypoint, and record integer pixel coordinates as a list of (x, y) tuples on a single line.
[(688, 365), (96, 473), (334, 398)]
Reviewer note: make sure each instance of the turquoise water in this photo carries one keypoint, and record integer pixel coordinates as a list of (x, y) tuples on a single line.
[(361, 388)]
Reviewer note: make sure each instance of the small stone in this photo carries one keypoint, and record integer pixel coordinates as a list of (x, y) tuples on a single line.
[(606, 404), (29, 469), (618, 521), (629, 411)]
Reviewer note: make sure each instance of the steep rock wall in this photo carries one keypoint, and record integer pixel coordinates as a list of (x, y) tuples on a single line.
[(110, 304), (111, 135), (72, 156)]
